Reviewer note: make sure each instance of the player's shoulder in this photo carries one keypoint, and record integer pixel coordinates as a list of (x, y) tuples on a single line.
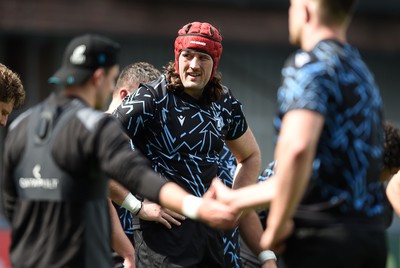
[(157, 88), (301, 58), (21, 120), (90, 117)]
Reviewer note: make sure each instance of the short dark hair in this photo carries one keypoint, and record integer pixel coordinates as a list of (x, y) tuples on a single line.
[(212, 91), (391, 146), (11, 88), (336, 11), (141, 72)]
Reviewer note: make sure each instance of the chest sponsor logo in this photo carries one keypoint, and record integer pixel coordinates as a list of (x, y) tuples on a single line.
[(38, 182)]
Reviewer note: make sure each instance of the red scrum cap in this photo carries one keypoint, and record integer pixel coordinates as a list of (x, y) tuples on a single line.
[(200, 36)]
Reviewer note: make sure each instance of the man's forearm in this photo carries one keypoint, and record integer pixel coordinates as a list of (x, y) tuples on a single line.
[(254, 196), (294, 154), (119, 241), (117, 192), (251, 230), (393, 193)]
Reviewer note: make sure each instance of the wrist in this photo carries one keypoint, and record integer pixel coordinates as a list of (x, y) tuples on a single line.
[(190, 206), (266, 255), (132, 204), (140, 208)]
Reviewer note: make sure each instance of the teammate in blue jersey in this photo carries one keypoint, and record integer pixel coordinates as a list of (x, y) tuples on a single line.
[(181, 122), (389, 175), (329, 149), (330, 146)]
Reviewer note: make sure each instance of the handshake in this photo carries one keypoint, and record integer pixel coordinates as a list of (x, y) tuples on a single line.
[(221, 207)]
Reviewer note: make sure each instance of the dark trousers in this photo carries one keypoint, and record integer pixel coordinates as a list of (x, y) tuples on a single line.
[(335, 248)]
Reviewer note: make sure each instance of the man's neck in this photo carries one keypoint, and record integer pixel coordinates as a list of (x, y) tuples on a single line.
[(315, 35), (113, 105), (84, 93)]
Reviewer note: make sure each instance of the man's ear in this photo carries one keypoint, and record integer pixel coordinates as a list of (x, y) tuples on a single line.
[(123, 92), (307, 13), (98, 76), (311, 9)]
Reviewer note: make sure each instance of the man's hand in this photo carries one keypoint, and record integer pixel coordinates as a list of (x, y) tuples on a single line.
[(217, 214), (205, 209), (129, 263), (154, 212), (227, 196), (275, 240), (269, 264), (220, 192)]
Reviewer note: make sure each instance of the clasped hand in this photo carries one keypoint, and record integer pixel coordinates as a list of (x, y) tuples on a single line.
[(217, 210)]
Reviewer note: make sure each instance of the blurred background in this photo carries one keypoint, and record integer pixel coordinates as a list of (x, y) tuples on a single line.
[(34, 33)]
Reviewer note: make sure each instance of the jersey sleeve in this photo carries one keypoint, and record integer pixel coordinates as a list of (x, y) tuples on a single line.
[(128, 167), (13, 148), (306, 84), (136, 110), (237, 122)]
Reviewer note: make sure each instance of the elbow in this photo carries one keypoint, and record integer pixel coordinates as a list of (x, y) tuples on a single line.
[(298, 152)]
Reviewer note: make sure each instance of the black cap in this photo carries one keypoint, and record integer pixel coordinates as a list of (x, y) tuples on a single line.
[(83, 56)]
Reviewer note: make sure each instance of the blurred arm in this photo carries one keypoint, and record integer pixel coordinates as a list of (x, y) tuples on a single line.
[(294, 153), (119, 241), (206, 209), (393, 192), (248, 157)]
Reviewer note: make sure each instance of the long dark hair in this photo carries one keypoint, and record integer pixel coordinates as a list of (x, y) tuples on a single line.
[(212, 91)]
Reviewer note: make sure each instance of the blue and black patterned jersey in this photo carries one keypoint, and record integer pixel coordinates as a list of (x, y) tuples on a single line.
[(334, 81), (126, 220), (180, 136), (226, 173), (227, 166)]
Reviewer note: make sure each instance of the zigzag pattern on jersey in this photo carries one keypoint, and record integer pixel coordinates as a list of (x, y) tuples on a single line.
[(181, 138), (125, 217), (231, 248), (348, 132), (227, 166), (226, 172)]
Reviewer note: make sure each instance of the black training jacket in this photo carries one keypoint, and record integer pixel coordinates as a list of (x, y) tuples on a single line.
[(58, 156)]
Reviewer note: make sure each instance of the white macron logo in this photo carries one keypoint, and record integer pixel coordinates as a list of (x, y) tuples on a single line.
[(198, 43), (181, 119), (77, 56)]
